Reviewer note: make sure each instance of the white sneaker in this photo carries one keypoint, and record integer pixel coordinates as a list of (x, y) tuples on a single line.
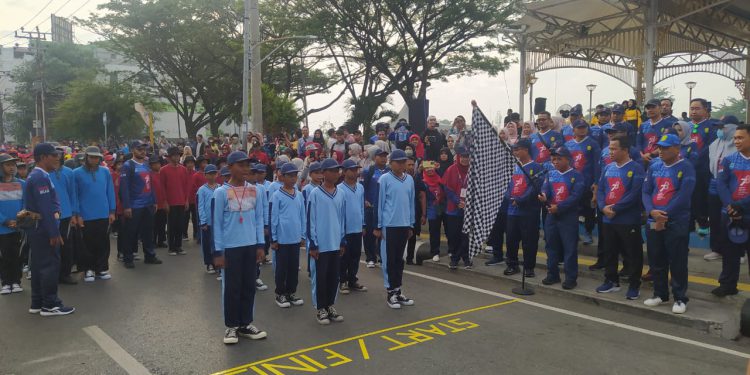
[(6, 289), (104, 275), (28, 275), (436, 258), (392, 301), (679, 307), (742, 260), (259, 285), (712, 256), (89, 277), (653, 301), (230, 336), (370, 264), (26, 269), (17, 288)]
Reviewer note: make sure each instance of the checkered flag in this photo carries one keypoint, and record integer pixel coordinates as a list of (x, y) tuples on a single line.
[(490, 172)]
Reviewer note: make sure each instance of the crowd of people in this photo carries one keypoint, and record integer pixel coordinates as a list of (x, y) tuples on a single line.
[(261, 200)]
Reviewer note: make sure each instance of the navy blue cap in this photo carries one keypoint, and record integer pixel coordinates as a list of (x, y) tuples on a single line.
[(279, 165), (224, 171), (462, 151), (398, 155), (618, 108), (138, 143), (580, 123), (653, 103), (577, 110), (330, 164), (561, 151), (349, 164), (604, 111), (259, 167), (730, 119), (236, 157), (289, 168), (378, 151), (523, 143), (618, 127), (44, 149), (210, 168), (668, 140), (314, 166)]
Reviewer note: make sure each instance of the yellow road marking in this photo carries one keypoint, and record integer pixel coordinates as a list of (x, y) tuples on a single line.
[(243, 368)]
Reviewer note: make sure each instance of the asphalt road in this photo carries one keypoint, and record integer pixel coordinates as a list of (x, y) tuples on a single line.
[(167, 319)]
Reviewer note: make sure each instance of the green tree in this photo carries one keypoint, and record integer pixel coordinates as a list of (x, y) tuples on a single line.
[(59, 64), (79, 115), (279, 112), (732, 106), (410, 43), (191, 51)]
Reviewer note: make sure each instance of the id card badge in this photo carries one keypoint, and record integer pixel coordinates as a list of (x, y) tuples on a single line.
[(463, 193)]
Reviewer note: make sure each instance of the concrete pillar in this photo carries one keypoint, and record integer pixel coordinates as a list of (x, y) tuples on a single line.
[(522, 75), (649, 50)]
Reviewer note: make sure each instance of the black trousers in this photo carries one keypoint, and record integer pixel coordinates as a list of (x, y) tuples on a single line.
[(191, 215), (160, 226), (325, 279), (286, 268), (600, 242), (45, 269), (139, 227), (238, 285), (435, 234), (588, 212), (626, 241), (730, 260), (371, 243), (350, 260), (497, 234), (10, 258), (411, 244), (699, 204), (714, 222), (175, 227), (458, 241), (67, 250), (524, 231), (96, 237), (392, 252)]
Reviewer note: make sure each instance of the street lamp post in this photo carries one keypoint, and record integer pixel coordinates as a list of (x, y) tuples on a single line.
[(591, 88), (532, 80), (690, 85)]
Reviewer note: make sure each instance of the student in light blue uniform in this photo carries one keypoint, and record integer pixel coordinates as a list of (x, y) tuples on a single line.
[(325, 233), (203, 199), (11, 202), (354, 196), (287, 233), (238, 244), (257, 177), (64, 182), (395, 223), (316, 179)]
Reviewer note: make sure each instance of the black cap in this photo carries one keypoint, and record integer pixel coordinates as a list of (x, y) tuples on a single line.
[(137, 144), (522, 143), (580, 123), (561, 151), (618, 127), (44, 149), (652, 103)]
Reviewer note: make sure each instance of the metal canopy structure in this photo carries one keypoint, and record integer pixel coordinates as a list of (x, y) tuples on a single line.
[(639, 42)]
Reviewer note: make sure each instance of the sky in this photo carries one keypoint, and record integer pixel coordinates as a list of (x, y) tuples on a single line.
[(447, 99)]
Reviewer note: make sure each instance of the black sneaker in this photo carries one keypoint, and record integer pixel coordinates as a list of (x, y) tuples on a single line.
[(453, 265), (596, 266), (252, 332), (392, 301), (494, 262), (550, 281), (403, 300), (161, 245), (68, 280), (334, 316), (294, 300), (152, 260), (723, 291), (129, 265), (57, 310), (282, 302), (529, 273), (511, 270), (409, 262), (181, 252), (230, 336), (357, 287), (569, 284), (322, 317)]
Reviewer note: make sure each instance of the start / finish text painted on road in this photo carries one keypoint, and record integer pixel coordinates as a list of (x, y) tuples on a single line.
[(365, 346)]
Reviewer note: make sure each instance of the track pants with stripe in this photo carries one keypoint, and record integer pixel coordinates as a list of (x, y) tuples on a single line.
[(238, 285), (325, 278), (286, 268), (392, 248)]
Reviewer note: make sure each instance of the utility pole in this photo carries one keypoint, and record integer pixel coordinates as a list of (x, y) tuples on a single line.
[(2, 109), (256, 95), (246, 69), (36, 37)]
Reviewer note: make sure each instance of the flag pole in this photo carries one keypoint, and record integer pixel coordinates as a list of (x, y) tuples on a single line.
[(524, 290)]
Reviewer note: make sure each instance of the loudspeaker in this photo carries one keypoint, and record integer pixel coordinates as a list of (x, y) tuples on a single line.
[(540, 105)]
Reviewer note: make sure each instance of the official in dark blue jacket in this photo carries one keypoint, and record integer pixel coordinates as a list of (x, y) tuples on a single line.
[(45, 238)]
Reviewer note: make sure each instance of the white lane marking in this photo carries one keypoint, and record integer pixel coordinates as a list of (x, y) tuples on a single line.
[(54, 357), (116, 352), (587, 317)]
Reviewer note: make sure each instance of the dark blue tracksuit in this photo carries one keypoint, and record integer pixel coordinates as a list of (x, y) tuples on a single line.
[(45, 260), (137, 194), (523, 217), (561, 228)]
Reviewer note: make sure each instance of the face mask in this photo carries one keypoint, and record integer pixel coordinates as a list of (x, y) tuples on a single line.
[(720, 133), (409, 152)]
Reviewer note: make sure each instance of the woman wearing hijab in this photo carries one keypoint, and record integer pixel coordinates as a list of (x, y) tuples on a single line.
[(722, 147), (451, 141), (435, 205), (446, 160), (417, 145), (527, 130), (511, 129), (687, 146), (186, 151), (318, 137)]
